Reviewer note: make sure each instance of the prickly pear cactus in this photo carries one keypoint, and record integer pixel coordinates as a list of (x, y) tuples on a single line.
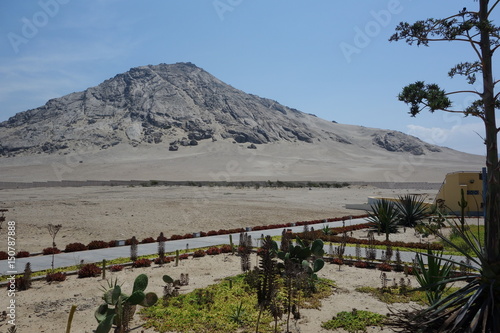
[(118, 308)]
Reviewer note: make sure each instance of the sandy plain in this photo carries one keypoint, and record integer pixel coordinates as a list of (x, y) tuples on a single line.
[(120, 212), (105, 213)]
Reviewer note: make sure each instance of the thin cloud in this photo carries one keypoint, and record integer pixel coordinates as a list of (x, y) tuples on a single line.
[(464, 137)]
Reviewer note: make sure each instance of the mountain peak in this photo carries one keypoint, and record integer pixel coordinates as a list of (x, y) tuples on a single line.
[(175, 105)]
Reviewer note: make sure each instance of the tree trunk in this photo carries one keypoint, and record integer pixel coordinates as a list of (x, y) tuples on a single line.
[(491, 220)]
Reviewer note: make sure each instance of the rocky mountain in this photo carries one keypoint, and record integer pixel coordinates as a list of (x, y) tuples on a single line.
[(175, 106)]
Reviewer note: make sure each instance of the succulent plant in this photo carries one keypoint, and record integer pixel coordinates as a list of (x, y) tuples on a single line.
[(118, 308)]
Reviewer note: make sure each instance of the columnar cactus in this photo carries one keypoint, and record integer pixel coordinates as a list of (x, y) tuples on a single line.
[(462, 204)]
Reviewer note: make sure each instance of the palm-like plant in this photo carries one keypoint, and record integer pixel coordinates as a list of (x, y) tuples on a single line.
[(472, 308), (412, 209), (385, 216)]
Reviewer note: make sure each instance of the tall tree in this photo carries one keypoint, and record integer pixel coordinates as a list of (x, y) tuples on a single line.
[(476, 29)]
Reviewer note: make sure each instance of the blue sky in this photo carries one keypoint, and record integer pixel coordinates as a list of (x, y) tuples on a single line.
[(325, 57)]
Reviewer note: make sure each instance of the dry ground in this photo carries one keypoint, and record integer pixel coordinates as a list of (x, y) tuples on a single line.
[(105, 213)]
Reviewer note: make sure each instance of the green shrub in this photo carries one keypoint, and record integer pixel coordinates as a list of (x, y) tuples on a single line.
[(354, 321)]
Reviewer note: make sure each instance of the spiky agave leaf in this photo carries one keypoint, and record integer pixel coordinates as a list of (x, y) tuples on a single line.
[(384, 215), (474, 307), (429, 276), (412, 209)]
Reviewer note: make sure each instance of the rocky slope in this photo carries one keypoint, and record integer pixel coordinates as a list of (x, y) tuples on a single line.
[(174, 106)]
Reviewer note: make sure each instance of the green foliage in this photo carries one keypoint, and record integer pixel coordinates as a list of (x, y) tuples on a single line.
[(401, 293), (354, 321), (195, 312), (326, 230), (474, 307), (300, 264), (433, 276), (301, 254), (267, 286), (385, 216), (420, 95), (395, 295), (167, 279), (412, 209), (118, 308), (228, 309), (238, 315), (426, 229), (458, 241)]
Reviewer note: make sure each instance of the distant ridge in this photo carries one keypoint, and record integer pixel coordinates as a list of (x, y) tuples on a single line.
[(147, 183)]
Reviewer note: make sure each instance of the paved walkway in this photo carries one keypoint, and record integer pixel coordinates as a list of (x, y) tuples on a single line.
[(39, 263)]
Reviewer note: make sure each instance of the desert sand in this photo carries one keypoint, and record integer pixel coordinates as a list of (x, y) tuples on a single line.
[(227, 161), (119, 212), (105, 213), (45, 307)]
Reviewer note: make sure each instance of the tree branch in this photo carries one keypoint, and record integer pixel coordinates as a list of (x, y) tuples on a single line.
[(493, 7), (464, 91), (474, 47), (447, 40), (453, 111)]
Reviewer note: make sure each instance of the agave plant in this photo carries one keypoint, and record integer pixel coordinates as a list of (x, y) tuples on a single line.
[(412, 209), (385, 216), (472, 308), (431, 275)]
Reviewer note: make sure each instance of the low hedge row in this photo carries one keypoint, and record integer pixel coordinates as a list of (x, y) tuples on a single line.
[(98, 244), (312, 235)]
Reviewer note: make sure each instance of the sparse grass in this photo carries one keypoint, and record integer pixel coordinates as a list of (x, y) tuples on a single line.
[(472, 230), (392, 295), (395, 295)]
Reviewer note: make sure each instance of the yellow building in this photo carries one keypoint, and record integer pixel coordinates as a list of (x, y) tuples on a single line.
[(450, 192)]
